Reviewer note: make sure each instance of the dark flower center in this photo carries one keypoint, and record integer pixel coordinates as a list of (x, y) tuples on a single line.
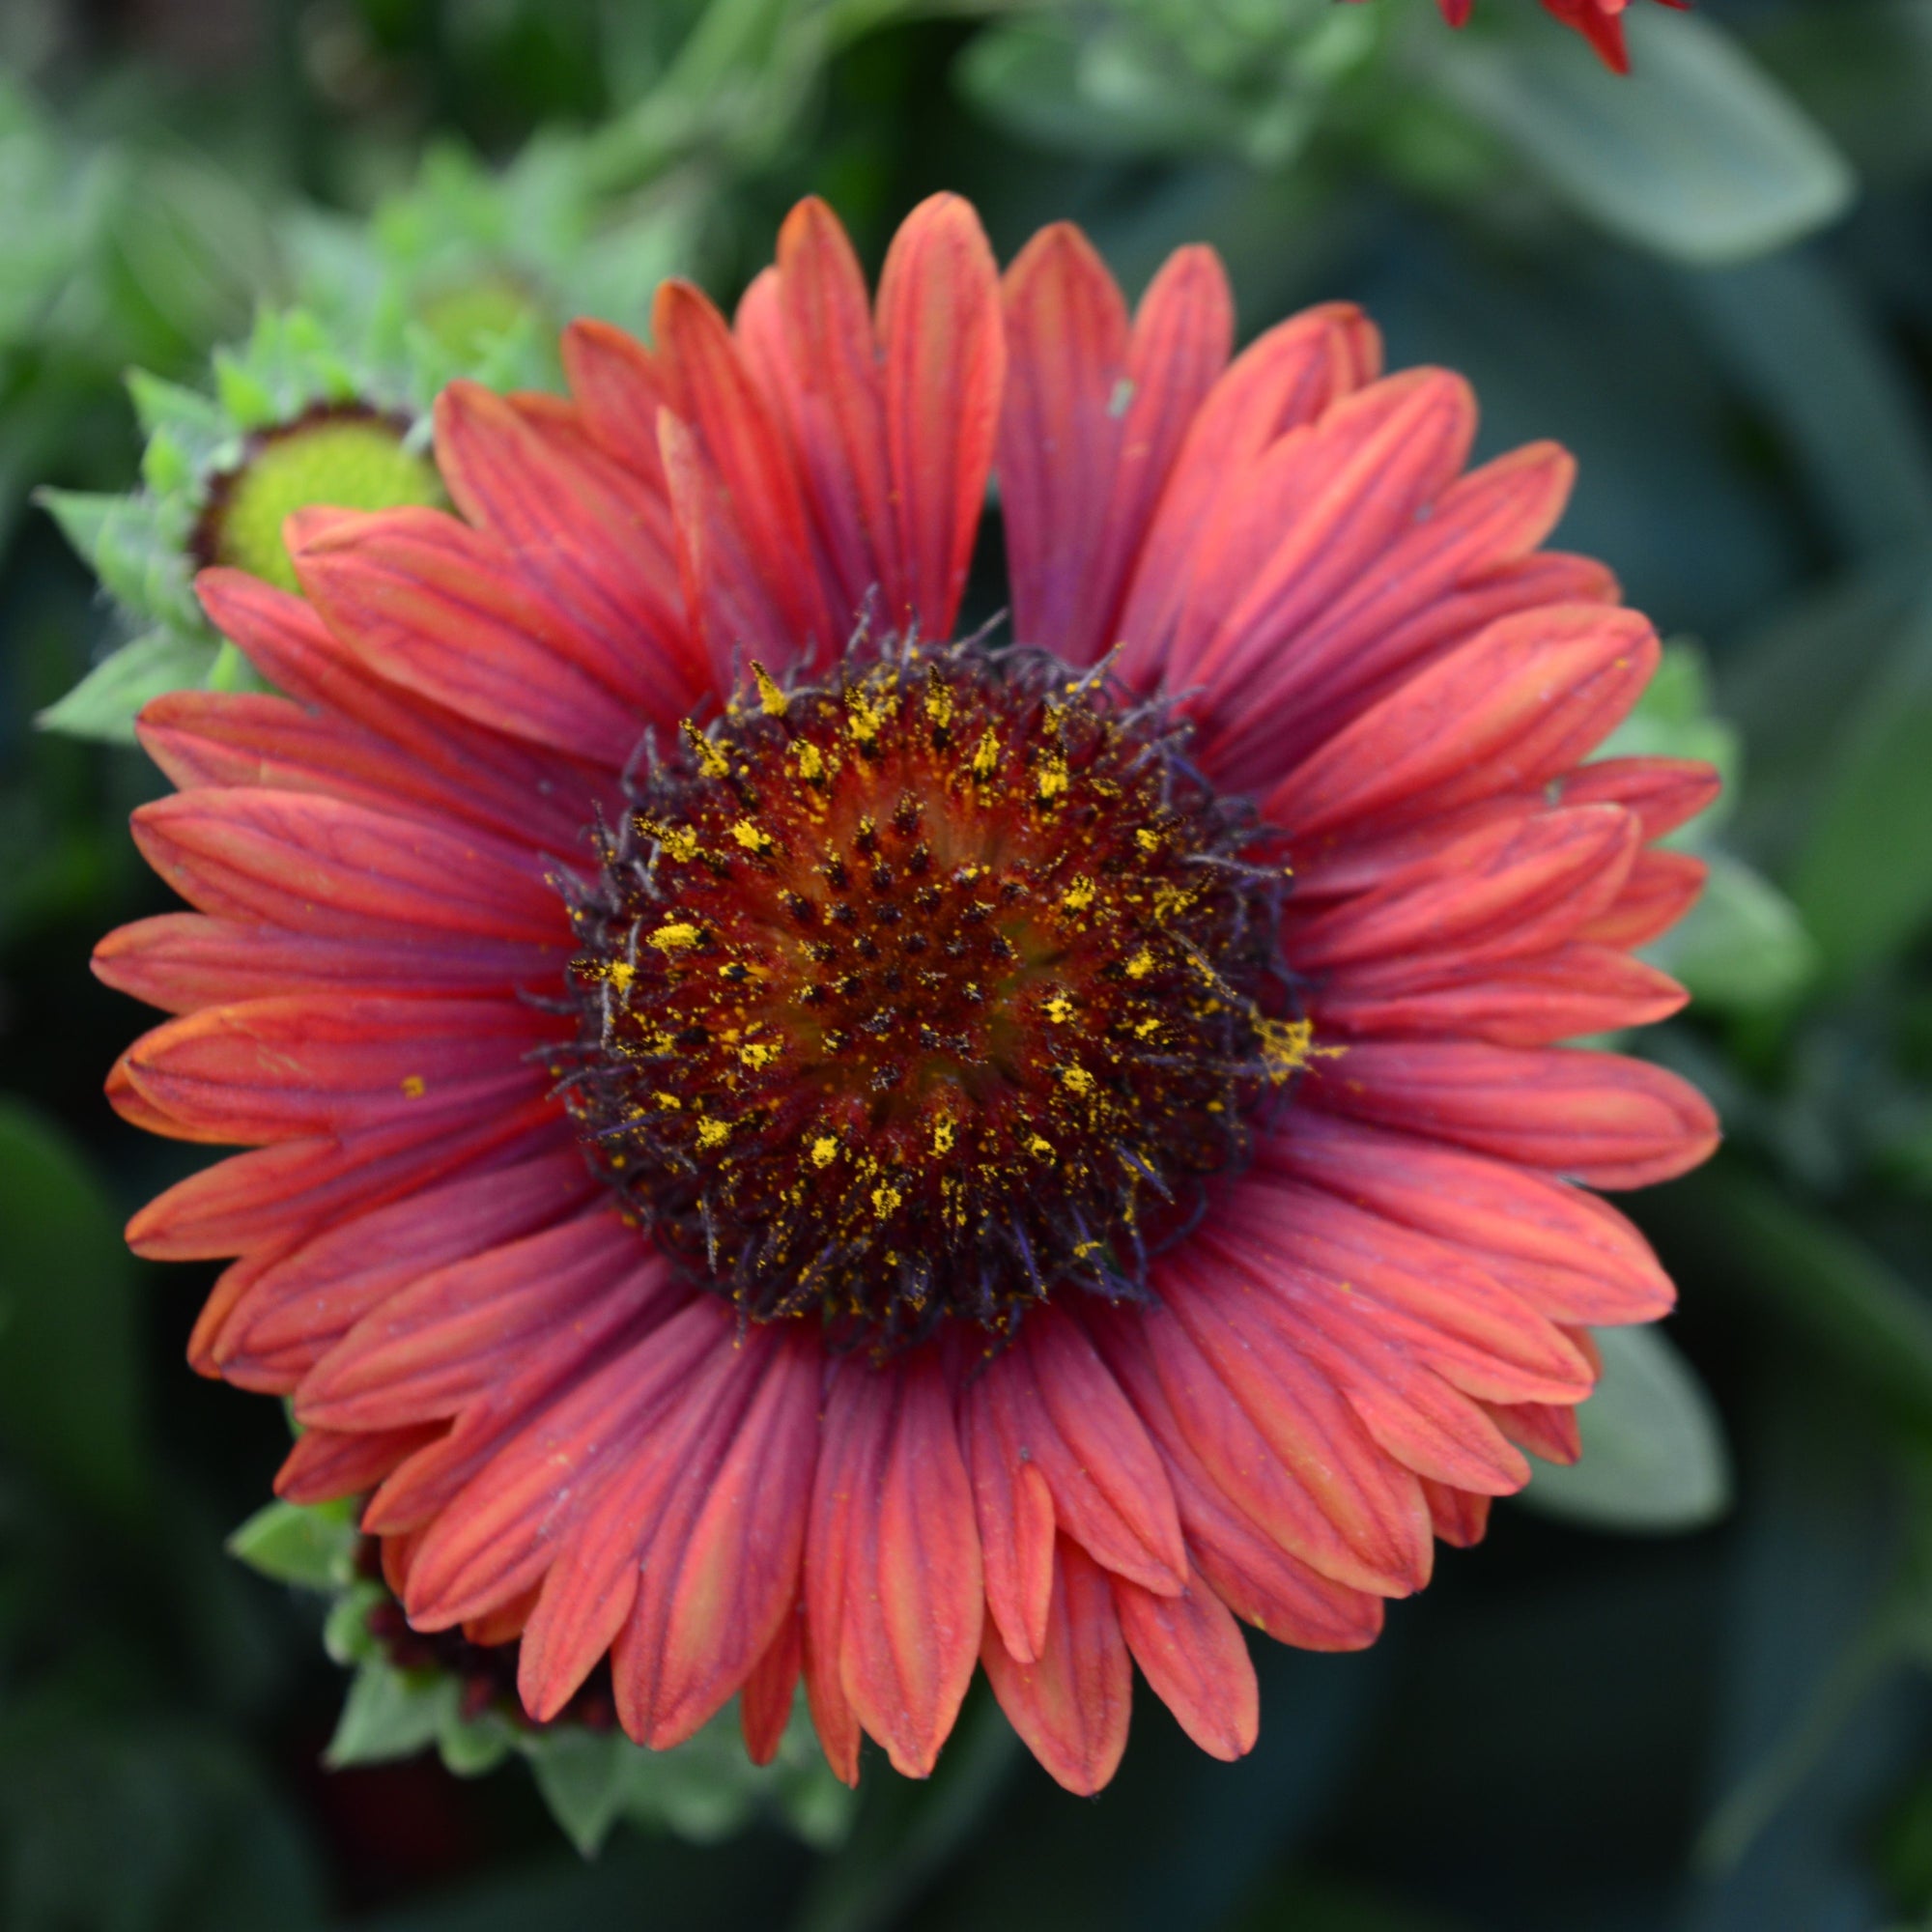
[(924, 991)]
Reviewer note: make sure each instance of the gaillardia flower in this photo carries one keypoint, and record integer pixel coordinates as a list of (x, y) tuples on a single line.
[(789, 1141)]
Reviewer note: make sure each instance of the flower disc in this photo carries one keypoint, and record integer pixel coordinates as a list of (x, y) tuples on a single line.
[(926, 989)]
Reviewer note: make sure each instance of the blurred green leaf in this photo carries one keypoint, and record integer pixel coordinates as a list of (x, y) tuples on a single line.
[(1654, 1456), (1703, 160), (581, 1776), (1863, 68), (1735, 1224), (314, 1546), (105, 705), (1742, 947), (69, 1390), (1862, 877), (391, 1714)]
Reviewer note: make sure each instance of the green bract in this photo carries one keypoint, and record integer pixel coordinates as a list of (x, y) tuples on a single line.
[(704, 1789), (465, 274)]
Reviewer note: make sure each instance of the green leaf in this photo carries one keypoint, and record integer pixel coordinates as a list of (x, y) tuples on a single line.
[(1702, 159), (1862, 877), (1729, 1223), (346, 1635), (1654, 1456), (105, 705), (391, 1714), (580, 1777), (312, 1546), (69, 1389), (1743, 948)]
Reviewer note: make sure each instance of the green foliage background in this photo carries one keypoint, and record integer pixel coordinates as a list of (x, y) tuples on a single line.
[(1683, 1687)]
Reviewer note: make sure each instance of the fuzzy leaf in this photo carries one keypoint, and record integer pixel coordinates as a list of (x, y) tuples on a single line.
[(1654, 1455), (105, 705), (1704, 159)]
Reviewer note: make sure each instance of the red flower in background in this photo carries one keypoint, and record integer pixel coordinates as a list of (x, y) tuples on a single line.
[(914, 1187), (1601, 22)]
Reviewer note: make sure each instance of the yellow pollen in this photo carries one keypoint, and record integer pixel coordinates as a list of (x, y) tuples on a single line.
[(1141, 964), (751, 838), (1053, 779), (1148, 839), (758, 1054), (712, 758), (1147, 1028), (772, 701), (1060, 1009), (824, 1151), (885, 1200), (1076, 1080), (414, 1087), (944, 1134), (1041, 1147), (669, 1102), (867, 714), (680, 841), (1289, 1045), (811, 761), (1080, 895), (940, 705), (713, 1133), (675, 936), (986, 754), (620, 973)]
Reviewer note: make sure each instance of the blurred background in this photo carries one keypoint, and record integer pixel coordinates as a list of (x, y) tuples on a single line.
[(1683, 1687)]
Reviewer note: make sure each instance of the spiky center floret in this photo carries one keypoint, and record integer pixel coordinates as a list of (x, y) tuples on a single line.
[(924, 991)]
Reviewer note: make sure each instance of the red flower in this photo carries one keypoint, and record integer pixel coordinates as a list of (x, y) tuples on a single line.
[(912, 1190), (1601, 22)]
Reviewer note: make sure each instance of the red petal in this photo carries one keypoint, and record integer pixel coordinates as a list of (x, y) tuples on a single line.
[(1568, 994), (320, 866), (333, 1063), (326, 1465), (299, 1303), (510, 1521), (620, 389), (741, 517), (765, 1702), (721, 1571), (1665, 793), (426, 1352), (277, 1192), (1460, 1518), (1013, 1509), (183, 962), (440, 610), (1331, 1496), (1602, 1119), (1247, 1568), (1544, 1428), (583, 535), (944, 364), (1192, 1653), (1071, 1707), (1571, 1256), (1503, 714), (1049, 1402), (531, 796), (1512, 889), (1661, 888), (892, 1513), (1310, 520), (1286, 377), (1059, 431)]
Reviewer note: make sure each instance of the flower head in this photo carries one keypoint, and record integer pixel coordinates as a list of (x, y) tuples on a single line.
[(789, 1141)]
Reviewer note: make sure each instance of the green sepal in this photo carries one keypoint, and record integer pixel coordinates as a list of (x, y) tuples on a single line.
[(391, 1714), (314, 1547), (346, 1635), (1654, 1457), (105, 705)]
